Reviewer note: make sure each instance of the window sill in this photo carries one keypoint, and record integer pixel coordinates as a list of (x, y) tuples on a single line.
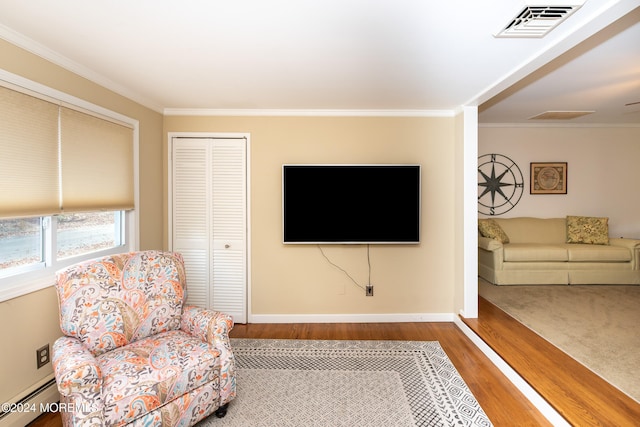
[(16, 286), (28, 283)]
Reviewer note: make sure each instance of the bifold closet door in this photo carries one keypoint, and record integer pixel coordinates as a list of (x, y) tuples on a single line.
[(209, 221)]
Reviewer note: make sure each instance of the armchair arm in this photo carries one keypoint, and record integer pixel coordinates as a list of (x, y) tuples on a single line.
[(79, 380), (208, 325), (214, 327)]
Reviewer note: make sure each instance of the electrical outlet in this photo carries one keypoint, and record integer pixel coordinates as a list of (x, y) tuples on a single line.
[(369, 290), (42, 356)]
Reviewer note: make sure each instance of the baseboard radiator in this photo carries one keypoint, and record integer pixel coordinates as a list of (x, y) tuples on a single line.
[(42, 397)]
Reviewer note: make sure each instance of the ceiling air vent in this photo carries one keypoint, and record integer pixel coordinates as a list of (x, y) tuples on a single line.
[(537, 21), (560, 115)]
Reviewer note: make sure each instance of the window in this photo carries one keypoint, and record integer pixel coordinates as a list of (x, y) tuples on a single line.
[(85, 233), (21, 244), (26, 244), (68, 169)]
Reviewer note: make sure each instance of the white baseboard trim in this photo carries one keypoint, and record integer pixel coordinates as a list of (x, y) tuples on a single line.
[(538, 401), (352, 318)]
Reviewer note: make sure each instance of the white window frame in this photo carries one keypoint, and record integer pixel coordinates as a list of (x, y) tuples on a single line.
[(34, 279)]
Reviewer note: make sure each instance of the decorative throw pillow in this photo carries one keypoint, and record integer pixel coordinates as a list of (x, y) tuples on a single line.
[(584, 229), (490, 228)]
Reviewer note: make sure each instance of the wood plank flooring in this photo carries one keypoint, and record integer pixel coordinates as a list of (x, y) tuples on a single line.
[(579, 395), (500, 399)]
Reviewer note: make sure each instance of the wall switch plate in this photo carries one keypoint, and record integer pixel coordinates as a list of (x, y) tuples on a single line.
[(42, 356)]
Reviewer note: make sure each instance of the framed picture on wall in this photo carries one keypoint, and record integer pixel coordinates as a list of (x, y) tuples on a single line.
[(549, 178)]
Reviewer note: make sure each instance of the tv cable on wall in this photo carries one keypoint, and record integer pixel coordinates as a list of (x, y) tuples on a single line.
[(368, 288)]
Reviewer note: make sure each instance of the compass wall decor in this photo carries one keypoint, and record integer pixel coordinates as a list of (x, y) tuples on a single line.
[(500, 184)]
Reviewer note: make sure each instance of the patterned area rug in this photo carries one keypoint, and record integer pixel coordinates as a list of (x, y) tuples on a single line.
[(347, 383)]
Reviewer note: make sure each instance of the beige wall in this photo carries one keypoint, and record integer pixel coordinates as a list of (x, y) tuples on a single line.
[(296, 279), (31, 321), (29, 66), (285, 279), (603, 171)]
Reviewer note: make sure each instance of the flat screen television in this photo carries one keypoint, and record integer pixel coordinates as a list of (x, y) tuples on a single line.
[(351, 204)]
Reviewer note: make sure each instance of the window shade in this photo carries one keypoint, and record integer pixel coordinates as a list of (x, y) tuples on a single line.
[(29, 157), (55, 159), (96, 163)]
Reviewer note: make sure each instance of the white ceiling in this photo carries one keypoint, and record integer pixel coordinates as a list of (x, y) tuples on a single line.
[(602, 74), (340, 56)]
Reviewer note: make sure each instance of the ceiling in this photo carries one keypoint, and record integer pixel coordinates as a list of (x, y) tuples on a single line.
[(601, 74), (358, 57)]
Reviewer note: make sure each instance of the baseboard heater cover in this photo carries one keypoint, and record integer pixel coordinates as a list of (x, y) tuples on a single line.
[(29, 407)]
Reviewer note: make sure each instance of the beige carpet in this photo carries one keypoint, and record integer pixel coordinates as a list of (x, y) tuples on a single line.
[(598, 325)]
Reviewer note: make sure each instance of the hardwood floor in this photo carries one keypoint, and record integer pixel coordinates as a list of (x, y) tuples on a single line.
[(579, 395), (500, 399)]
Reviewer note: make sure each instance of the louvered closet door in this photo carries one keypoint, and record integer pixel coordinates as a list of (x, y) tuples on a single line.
[(209, 221), (228, 231), (190, 215)]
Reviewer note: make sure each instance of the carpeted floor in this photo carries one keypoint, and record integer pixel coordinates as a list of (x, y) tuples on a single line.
[(595, 324), (347, 383)]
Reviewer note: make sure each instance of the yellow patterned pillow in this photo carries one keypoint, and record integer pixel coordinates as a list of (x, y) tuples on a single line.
[(490, 228), (585, 229)]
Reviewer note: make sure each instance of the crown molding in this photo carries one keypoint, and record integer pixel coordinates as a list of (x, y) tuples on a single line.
[(306, 113), (44, 52)]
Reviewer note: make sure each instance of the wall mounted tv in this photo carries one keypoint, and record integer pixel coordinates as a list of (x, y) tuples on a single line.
[(351, 204)]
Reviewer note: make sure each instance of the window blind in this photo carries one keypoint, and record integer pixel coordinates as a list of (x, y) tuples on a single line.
[(29, 155), (54, 158), (96, 163)]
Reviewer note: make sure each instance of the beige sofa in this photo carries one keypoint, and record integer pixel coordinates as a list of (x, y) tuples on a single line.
[(536, 252)]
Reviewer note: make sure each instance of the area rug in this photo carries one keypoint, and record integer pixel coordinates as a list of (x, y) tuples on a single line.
[(347, 383), (595, 324)]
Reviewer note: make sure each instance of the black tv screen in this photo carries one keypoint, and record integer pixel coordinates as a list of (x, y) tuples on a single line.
[(351, 204)]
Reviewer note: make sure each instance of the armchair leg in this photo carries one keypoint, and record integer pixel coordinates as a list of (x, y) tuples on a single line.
[(222, 411)]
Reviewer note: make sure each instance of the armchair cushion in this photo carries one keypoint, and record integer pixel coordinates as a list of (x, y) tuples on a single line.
[(148, 373)]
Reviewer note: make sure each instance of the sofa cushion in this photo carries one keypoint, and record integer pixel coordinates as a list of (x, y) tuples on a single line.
[(534, 252), (598, 253), (534, 230), (489, 228), (592, 230)]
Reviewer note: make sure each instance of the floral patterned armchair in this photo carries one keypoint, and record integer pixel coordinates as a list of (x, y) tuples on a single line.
[(132, 353)]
